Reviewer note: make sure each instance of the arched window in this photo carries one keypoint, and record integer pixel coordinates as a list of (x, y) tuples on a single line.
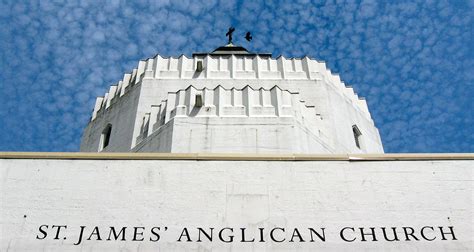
[(357, 136), (105, 137)]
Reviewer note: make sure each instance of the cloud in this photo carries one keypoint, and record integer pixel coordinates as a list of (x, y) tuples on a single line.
[(412, 60)]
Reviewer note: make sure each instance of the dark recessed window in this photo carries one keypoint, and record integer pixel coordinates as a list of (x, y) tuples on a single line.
[(357, 135), (105, 137)]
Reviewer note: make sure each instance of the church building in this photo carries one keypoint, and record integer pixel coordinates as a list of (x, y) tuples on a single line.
[(231, 101), (232, 150)]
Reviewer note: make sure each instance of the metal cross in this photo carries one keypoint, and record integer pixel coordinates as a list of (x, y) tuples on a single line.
[(229, 34)]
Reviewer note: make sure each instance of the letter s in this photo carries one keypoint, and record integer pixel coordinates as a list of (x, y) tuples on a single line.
[(43, 232), (153, 232)]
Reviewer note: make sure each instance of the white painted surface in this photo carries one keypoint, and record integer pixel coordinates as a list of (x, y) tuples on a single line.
[(237, 194), (233, 120), (140, 93)]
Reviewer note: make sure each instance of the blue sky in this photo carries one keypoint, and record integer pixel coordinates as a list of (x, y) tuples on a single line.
[(412, 60)]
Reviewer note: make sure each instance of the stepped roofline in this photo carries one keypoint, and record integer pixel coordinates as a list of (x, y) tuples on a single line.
[(254, 106), (231, 49), (231, 99), (261, 68)]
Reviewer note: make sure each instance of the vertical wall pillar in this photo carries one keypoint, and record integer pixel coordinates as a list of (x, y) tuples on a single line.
[(181, 60), (170, 105), (281, 66), (257, 61), (276, 99), (149, 69), (181, 103), (157, 66), (219, 99), (306, 67), (206, 66), (140, 71), (246, 97), (154, 118), (233, 65), (125, 84), (97, 106)]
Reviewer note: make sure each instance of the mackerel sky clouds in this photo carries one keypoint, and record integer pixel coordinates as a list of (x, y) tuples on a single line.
[(412, 60)]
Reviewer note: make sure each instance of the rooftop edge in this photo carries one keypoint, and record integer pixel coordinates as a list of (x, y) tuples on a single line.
[(236, 157)]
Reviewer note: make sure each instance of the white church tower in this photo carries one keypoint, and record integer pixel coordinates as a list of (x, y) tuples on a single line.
[(231, 101)]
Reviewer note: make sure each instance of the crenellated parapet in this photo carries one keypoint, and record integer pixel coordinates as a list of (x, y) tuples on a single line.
[(223, 67), (225, 103), (231, 100)]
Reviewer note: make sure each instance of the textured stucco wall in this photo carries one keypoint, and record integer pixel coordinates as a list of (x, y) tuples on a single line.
[(251, 135), (121, 115), (236, 194), (339, 113)]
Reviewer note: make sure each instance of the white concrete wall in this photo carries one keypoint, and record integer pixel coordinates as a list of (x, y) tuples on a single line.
[(335, 114), (233, 121), (235, 194), (234, 135), (121, 115)]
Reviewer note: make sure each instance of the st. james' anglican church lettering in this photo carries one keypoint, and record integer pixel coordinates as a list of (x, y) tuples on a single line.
[(85, 234)]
